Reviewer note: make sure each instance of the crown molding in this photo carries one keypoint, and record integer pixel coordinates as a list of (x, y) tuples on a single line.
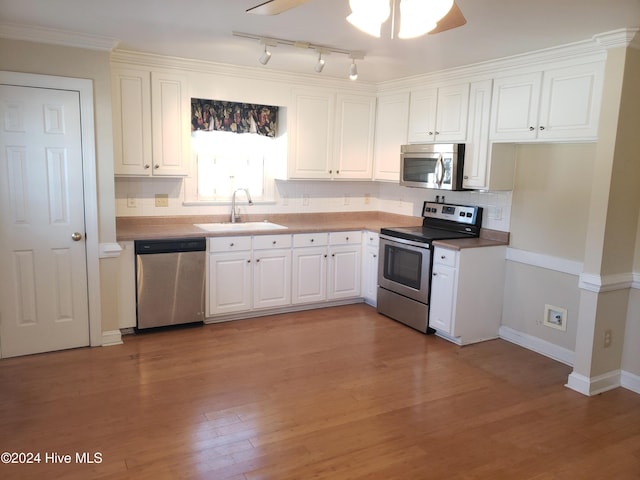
[(623, 38), (66, 38)]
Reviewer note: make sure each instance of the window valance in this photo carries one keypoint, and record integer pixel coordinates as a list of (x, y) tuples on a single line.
[(233, 117)]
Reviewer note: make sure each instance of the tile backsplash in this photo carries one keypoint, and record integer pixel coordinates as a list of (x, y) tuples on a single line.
[(138, 197)]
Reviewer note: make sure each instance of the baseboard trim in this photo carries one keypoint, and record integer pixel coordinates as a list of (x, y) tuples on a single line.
[(630, 381), (111, 337), (590, 386), (537, 345)]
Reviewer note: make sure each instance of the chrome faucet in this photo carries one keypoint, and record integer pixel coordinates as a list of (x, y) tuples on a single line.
[(235, 216)]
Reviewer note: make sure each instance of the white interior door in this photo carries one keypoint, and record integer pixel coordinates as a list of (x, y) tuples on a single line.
[(43, 286)]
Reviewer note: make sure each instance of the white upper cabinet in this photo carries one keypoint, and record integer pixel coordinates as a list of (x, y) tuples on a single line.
[(439, 114), (392, 118), (310, 153), (151, 117), (332, 135), (561, 104), (355, 123)]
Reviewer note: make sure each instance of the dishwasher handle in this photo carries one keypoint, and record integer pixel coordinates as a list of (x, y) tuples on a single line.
[(170, 245)]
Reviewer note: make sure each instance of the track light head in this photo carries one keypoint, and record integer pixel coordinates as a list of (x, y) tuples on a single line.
[(353, 70), (265, 57), (320, 65)]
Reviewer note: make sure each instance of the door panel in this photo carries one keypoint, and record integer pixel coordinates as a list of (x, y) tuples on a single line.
[(43, 289)]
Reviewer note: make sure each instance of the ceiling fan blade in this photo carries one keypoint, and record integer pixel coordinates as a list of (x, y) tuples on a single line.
[(451, 20), (275, 7)]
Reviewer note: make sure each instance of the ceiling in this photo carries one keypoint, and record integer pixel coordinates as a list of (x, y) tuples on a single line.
[(201, 29)]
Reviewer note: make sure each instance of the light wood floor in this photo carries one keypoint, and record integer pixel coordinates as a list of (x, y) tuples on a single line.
[(332, 394)]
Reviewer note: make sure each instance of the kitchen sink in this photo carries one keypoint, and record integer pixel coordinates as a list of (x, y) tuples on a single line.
[(239, 226)]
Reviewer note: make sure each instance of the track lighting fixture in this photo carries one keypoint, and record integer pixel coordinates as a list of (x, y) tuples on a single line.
[(320, 64), (353, 70), (266, 56), (321, 49)]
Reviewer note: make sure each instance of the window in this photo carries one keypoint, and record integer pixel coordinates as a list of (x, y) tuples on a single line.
[(226, 161)]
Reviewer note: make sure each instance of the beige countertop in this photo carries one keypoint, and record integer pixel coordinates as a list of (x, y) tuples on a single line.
[(146, 228)]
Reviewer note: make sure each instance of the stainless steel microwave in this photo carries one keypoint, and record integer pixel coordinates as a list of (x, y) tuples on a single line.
[(434, 165)]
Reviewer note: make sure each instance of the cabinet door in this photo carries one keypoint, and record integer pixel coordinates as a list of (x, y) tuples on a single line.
[(452, 113), (344, 272), (229, 282), (170, 108), (309, 275), (354, 137), (271, 278), (312, 139), (422, 115), (514, 108), (441, 310), (570, 104), (370, 274), (477, 150), (392, 118), (131, 121)]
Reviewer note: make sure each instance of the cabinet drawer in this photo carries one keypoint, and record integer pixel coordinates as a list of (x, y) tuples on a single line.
[(263, 242), (371, 239), (345, 238), (310, 239), (229, 244), (444, 256)]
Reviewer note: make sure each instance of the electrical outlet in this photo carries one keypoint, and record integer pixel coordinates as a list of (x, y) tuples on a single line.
[(305, 199), (555, 317), (131, 201), (347, 200), (607, 338), (367, 199), (162, 200)]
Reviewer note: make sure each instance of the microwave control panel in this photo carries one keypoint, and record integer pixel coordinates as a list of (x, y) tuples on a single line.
[(455, 213)]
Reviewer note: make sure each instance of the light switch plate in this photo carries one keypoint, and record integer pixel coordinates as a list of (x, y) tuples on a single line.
[(162, 200)]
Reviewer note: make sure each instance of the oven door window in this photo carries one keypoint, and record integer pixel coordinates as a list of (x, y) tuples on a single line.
[(403, 266)]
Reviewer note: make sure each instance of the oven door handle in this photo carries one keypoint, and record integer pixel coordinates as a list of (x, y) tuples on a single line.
[(439, 171)]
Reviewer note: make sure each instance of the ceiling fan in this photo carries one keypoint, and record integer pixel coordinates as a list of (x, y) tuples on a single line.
[(452, 19)]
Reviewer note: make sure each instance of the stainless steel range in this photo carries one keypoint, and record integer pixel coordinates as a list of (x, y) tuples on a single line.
[(404, 273)]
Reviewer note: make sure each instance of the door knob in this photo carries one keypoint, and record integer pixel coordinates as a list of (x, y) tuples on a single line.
[(76, 236)]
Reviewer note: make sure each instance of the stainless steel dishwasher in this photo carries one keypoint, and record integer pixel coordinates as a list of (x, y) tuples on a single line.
[(170, 281)]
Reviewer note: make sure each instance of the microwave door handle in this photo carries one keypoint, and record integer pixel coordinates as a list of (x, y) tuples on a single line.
[(440, 171)]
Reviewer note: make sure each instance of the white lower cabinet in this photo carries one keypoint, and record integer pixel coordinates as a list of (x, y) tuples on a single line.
[(466, 293), (271, 271), (326, 266), (248, 274), (370, 247), (229, 279)]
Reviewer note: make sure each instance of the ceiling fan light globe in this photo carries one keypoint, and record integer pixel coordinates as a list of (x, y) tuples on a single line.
[(369, 15)]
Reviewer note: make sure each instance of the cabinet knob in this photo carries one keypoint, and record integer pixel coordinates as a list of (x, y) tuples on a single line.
[(430, 133), (146, 166), (311, 240), (325, 255), (257, 260), (466, 177), (330, 171), (541, 127), (274, 242), (437, 133), (156, 166), (347, 239), (434, 274), (531, 129), (249, 261), (443, 257), (375, 256), (337, 172), (231, 244)]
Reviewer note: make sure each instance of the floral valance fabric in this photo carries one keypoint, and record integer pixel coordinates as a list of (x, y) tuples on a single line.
[(233, 117)]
